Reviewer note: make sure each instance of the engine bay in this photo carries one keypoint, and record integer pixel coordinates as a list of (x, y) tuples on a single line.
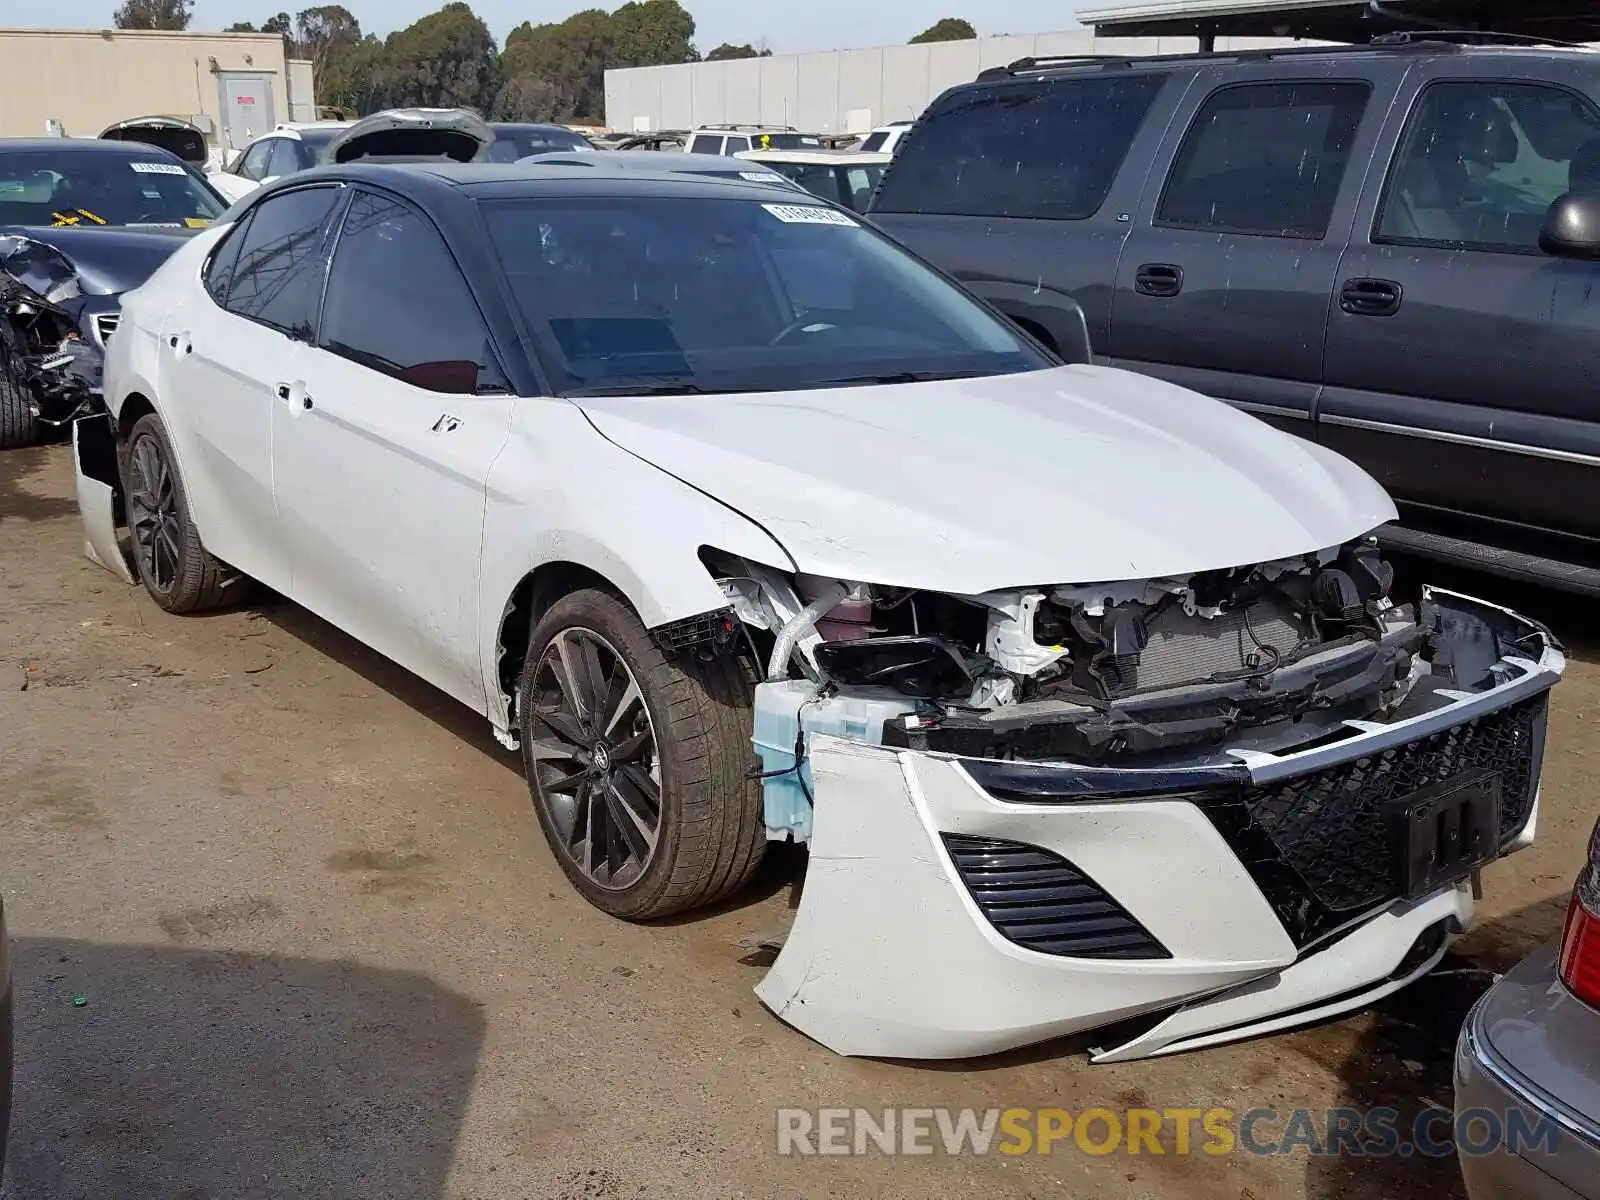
[(1269, 658)]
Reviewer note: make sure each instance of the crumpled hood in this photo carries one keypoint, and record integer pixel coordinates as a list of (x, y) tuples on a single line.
[(106, 260), (1072, 475)]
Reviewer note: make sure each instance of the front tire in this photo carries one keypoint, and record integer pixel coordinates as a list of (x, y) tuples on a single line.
[(175, 568), (638, 764), (17, 424)]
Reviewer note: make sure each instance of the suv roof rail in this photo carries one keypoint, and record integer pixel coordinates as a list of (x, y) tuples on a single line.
[(1469, 37), (780, 128), (1422, 43)]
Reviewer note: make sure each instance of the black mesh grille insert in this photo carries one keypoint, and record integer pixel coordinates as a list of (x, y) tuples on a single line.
[(1319, 845), (1039, 900)]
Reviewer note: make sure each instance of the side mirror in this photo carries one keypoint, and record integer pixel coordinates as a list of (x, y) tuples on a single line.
[(1572, 228)]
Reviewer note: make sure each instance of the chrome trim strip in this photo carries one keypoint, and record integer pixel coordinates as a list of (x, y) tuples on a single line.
[(1476, 1046), (1269, 410), (1460, 439)]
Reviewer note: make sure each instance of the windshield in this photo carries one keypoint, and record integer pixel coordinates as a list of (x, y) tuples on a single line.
[(654, 292), (97, 188), (511, 144), (784, 141)]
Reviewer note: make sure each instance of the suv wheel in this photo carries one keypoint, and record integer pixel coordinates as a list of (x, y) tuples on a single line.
[(639, 765)]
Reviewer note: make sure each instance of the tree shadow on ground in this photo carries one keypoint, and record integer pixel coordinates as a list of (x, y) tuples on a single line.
[(195, 1074)]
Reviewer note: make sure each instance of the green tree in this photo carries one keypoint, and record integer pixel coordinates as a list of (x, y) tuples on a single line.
[(154, 14), (572, 56), (241, 27), (727, 50), (561, 67), (352, 75), (445, 60), (648, 33), (319, 30), (281, 24), (532, 98), (951, 29)]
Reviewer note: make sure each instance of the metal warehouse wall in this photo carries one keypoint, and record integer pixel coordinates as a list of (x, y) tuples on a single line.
[(849, 90), (88, 79)]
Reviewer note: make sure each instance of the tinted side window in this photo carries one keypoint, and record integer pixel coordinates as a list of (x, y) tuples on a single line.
[(219, 271), (254, 163), (1050, 148), (285, 158), (1265, 158), (278, 280), (705, 144), (1481, 163), (874, 142), (736, 145), (397, 303)]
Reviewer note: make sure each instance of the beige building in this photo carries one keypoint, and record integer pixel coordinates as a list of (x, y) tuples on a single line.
[(233, 86)]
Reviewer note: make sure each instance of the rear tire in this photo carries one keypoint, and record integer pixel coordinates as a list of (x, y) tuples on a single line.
[(175, 568), (635, 850)]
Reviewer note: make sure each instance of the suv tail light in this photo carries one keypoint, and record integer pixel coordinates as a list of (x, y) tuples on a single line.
[(1580, 944)]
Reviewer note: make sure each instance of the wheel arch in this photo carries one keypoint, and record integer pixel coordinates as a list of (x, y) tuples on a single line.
[(533, 595)]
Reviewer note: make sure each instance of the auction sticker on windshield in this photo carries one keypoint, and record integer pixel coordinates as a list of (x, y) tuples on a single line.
[(157, 168), (806, 214)]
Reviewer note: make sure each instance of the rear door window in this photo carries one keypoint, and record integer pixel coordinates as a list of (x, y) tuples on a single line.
[(874, 141), (282, 261), (705, 144), (736, 145), (1043, 148), (1265, 158), (398, 304)]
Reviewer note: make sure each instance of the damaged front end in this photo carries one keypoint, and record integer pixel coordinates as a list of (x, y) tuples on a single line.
[(53, 334), (1223, 803)]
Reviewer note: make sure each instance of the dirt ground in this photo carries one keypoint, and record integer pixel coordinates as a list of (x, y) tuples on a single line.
[(324, 951)]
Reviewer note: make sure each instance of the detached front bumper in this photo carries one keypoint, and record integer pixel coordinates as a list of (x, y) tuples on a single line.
[(957, 907)]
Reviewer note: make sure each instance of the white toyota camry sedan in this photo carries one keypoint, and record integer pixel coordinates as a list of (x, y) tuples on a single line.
[(1092, 697)]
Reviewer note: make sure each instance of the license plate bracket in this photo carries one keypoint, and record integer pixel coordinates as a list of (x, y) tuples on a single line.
[(1445, 832)]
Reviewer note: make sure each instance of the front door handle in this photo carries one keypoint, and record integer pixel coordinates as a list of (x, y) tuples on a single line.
[(1158, 279), (1371, 297), (285, 391), (182, 344)]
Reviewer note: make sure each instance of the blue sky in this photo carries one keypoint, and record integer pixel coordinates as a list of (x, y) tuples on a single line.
[(787, 25)]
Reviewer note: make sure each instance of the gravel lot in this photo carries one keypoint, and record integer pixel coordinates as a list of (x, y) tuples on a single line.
[(325, 951)]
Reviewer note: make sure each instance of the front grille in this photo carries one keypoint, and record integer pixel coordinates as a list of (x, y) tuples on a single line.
[(105, 324), (1319, 845), (1039, 900)]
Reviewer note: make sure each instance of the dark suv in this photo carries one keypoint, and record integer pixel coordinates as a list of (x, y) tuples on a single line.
[(1343, 240)]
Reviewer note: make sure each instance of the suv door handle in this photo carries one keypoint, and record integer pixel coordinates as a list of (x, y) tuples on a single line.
[(1371, 297), (1158, 279)]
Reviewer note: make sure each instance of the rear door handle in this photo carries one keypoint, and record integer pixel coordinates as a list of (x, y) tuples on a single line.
[(1371, 297), (1158, 279)]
